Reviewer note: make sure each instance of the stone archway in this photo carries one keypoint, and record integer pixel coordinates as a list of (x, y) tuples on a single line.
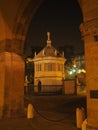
[(15, 17)]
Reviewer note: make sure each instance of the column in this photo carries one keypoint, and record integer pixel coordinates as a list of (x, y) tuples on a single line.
[(89, 32)]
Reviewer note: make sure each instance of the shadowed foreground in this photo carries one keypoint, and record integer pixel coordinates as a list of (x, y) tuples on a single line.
[(51, 112)]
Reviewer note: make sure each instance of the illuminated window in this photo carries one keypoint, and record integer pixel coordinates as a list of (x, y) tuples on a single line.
[(49, 67), (38, 67)]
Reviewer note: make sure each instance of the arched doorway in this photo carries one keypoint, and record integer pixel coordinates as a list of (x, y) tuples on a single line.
[(39, 86)]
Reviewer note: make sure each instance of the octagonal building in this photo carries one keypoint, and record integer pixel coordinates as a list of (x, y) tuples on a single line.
[(48, 69)]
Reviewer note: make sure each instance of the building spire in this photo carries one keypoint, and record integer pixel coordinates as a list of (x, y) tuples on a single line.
[(48, 39), (48, 34)]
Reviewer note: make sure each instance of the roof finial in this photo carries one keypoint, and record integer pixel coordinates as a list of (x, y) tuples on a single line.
[(48, 34), (48, 40)]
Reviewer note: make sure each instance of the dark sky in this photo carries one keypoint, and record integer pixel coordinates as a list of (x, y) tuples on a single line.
[(62, 19)]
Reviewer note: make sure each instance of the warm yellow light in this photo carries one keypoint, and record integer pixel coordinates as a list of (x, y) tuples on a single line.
[(74, 65), (70, 72), (81, 71), (29, 59)]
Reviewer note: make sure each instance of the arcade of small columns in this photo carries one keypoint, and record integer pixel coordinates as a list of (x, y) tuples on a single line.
[(15, 17)]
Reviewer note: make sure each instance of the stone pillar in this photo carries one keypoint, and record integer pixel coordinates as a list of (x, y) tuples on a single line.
[(11, 84), (89, 32)]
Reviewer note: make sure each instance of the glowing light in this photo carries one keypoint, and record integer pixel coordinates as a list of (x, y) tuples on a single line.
[(70, 72), (81, 71), (74, 65), (74, 70)]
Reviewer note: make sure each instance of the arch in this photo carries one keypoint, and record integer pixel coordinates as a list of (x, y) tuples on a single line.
[(39, 86), (14, 21), (15, 18), (26, 11)]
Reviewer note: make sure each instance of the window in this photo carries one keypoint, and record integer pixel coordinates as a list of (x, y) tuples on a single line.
[(49, 67), (38, 67)]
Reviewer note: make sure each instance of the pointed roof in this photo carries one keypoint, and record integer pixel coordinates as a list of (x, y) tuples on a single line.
[(48, 50)]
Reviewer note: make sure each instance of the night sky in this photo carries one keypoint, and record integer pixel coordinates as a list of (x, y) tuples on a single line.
[(62, 19)]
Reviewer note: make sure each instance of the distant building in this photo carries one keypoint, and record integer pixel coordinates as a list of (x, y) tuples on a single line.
[(48, 69)]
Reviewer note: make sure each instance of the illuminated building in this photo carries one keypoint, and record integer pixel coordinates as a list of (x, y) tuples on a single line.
[(48, 69)]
